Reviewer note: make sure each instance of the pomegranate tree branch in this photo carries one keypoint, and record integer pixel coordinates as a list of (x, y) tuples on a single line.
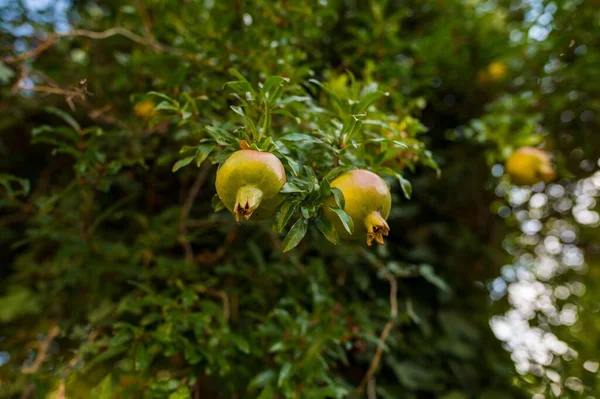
[(387, 329), (187, 207), (53, 37), (371, 393), (42, 351)]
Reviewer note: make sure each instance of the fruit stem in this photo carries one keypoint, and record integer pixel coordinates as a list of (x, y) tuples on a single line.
[(377, 227), (248, 198)]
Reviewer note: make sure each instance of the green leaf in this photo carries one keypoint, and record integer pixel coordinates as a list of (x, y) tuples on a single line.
[(59, 130), (18, 302), (405, 184), (239, 86), (333, 173), (188, 148), (284, 374), (65, 117), (5, 181), (190, 353), (142, 358), (164, 97), (107, 354), (294, 165), (272, 89), (345, 218), (165, 105), (241, 343), (305, 138), (368, 100), (339, 197), (182, 393), (375, 339), (217, 204), (221, 136), (182, 162), (428, 273), (326, 227), (277, 347), (295, 235), (241, 78), (285, 112), (122, 337), (286, 211), (262, 379), (414, 376), (5, 73), (188, 298), (248, 121), (267, 393), (104, 390), (352, 125), (325, 190), (203, 152), (290, 187)]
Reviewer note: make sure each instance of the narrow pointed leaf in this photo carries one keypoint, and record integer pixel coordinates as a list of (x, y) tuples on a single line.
[(326, 227), (339, 197), (182, 162), (295, 235), (345, 218)]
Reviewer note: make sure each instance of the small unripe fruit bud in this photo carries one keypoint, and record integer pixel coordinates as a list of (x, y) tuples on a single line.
[(248, 183)]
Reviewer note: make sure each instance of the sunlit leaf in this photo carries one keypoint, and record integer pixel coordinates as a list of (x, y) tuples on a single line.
[(182, 162)]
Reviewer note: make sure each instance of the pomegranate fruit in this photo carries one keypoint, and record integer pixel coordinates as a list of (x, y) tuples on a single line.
[(367, 201), (248, 183), (529, 166)]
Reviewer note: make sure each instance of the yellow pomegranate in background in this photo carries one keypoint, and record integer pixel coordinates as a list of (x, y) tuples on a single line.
[(249, 182), (494, 72), (529, 165), (367, 201), (145, 109), (497, 70)]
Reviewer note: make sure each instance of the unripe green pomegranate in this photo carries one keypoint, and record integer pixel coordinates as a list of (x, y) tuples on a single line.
[(529, 166), (367, 201), (248, 183)]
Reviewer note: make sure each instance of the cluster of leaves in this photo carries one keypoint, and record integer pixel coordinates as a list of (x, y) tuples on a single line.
[(346, 132)]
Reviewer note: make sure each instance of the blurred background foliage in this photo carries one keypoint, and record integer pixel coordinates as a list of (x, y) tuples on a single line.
[(118, 280)]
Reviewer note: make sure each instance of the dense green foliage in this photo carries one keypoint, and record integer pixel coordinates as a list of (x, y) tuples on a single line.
[(122, 277)]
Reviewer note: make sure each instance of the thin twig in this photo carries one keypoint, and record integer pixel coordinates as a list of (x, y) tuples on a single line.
[(53, 37), (185, 211), (225, 298), (222, 295), (42, 351), (109, 33), (143, 12), (150, 42), (371, 394), (91, 337), (387, 329), (55, 90), (43, 46)]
